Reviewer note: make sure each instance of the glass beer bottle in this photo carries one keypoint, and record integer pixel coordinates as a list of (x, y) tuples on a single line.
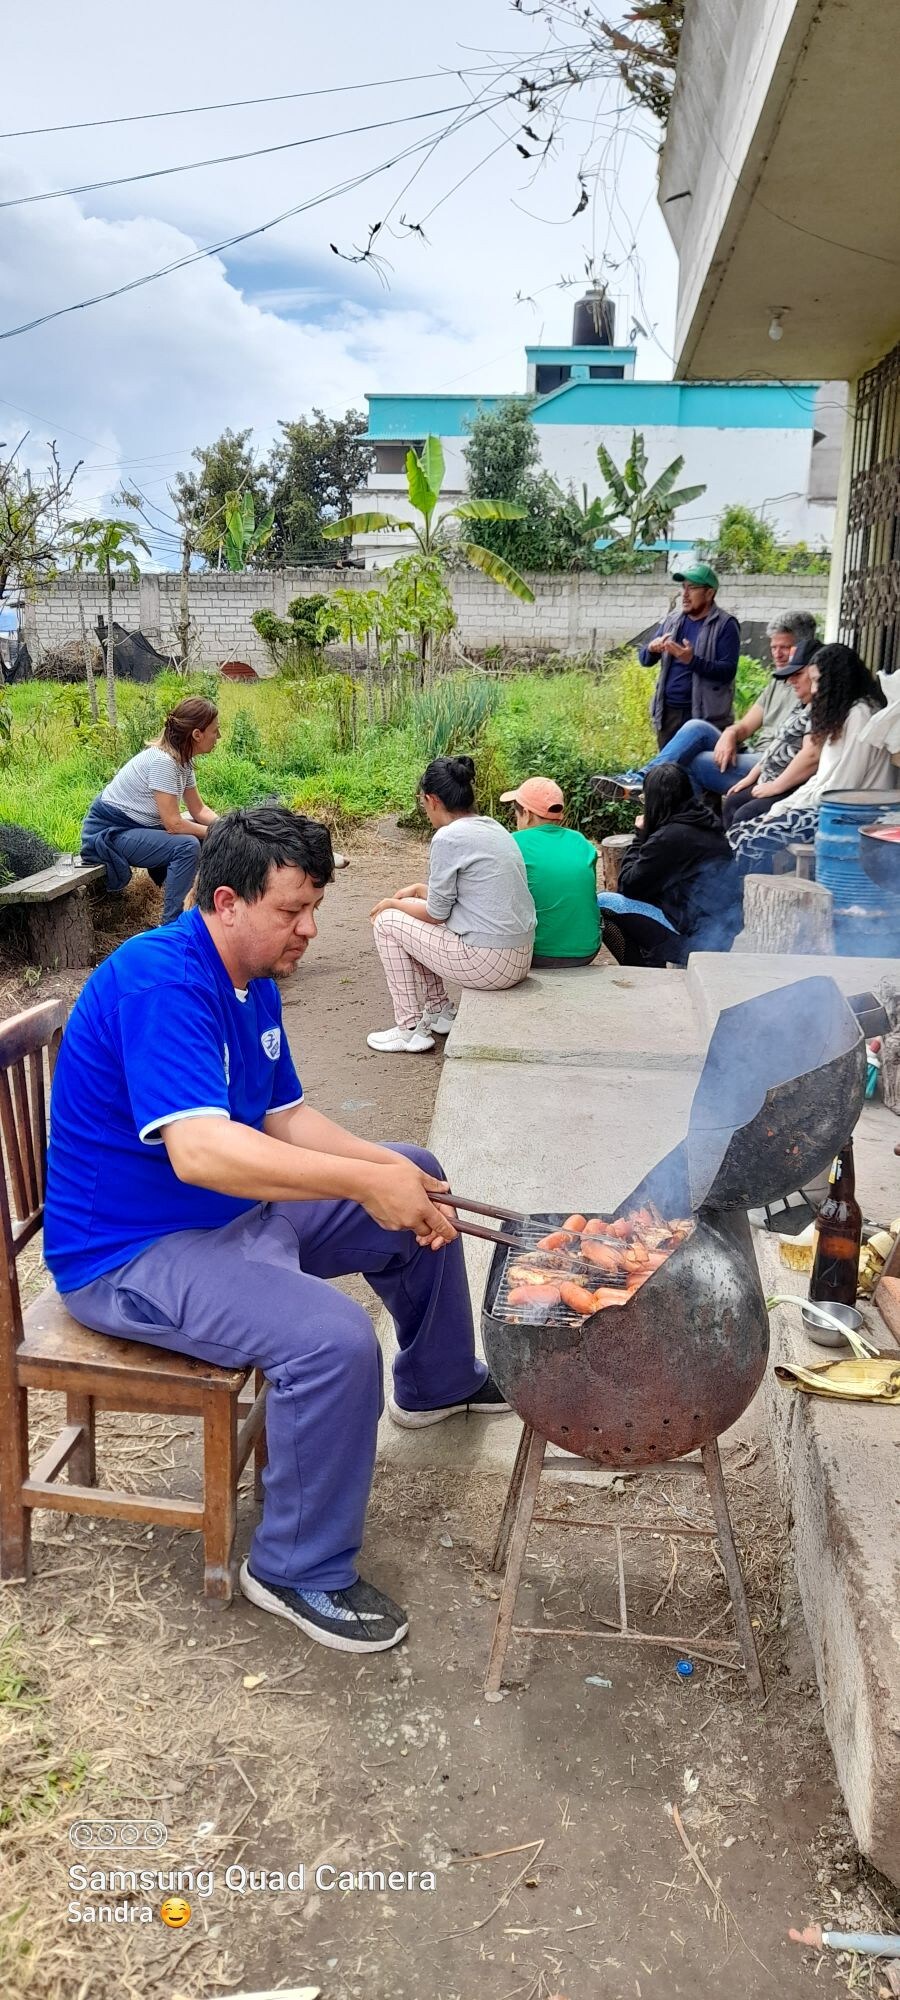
[(835, 1272)]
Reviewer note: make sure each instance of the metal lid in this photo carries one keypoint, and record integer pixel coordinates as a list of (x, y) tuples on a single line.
[(782, 1087)]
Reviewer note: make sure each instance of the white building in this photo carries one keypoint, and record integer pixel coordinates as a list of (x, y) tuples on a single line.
[(778, 182), (770, 447)]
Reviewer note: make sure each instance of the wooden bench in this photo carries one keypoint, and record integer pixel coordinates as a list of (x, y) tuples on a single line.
[(60, 925), (44, 1348)]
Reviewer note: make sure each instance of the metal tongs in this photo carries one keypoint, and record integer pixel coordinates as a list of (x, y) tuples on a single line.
[(456, 1201)]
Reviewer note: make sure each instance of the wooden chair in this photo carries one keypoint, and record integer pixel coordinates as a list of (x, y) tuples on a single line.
[(44, 1348)]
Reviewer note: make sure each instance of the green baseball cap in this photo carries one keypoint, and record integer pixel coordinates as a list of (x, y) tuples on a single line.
[(699, 573)]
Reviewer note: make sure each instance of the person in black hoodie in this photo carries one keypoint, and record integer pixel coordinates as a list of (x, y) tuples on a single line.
[(679, 890)]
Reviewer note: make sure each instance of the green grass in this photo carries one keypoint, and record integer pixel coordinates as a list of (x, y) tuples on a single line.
[(288, 738)]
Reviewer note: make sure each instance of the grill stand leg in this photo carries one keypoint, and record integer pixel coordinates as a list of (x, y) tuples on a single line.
[(531, 1456), (510, 1504), (712, 1466)]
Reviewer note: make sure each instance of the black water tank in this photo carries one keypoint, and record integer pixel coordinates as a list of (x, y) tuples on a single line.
[(594, 320)]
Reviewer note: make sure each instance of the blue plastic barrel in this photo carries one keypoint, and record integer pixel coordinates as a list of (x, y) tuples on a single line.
[(866, 917)]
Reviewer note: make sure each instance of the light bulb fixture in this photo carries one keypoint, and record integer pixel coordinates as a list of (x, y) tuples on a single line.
[(776, 330)]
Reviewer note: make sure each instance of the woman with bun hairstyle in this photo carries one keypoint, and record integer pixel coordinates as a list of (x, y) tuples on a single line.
[(472, 922), (151, 815)]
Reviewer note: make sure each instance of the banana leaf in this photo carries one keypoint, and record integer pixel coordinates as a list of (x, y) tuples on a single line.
[(421, 495), (498, 570), (432, 463), (872, 1381), (489, 510), (614, 480), (363, 524)]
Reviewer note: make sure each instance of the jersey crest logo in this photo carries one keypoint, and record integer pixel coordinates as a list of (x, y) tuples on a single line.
[(271, 1041)]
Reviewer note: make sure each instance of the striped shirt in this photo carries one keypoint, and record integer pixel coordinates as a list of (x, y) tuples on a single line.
[(152, 770)]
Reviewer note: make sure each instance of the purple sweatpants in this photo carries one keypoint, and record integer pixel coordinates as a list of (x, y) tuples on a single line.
[(254, 1293)]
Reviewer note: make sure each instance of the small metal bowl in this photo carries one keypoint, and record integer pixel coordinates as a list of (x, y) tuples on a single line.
[(825, 1335)]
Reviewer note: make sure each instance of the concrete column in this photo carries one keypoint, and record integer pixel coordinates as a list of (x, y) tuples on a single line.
[(839, 544), (148, 612)]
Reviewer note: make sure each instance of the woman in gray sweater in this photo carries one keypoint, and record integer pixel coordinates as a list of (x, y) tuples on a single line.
[(472, 922)]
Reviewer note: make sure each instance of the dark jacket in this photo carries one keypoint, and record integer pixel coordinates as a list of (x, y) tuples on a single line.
[(712, 698), (687, 869), (101, 825)]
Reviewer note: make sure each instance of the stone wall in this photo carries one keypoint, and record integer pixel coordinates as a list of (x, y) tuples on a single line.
[(570, 614)]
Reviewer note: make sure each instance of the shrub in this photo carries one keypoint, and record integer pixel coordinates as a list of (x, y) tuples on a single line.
[(23, 852), (452, 715), (244, 739)]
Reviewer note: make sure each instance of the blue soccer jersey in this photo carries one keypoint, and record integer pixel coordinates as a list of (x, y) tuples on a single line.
[(159, 1033)]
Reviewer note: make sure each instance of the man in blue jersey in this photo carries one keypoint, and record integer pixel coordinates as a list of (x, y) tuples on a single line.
[(197, 1202)]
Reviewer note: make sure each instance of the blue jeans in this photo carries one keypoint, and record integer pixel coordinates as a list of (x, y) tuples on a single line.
[(176, 853), (692, 748), (256, 1292)]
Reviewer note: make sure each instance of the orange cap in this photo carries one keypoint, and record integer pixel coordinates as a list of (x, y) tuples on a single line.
[(541, 796)]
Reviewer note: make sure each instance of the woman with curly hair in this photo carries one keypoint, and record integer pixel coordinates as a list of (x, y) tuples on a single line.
[(835, 756)]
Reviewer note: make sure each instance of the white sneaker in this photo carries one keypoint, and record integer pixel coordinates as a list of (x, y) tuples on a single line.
[(439, 1024), (401, 1041)]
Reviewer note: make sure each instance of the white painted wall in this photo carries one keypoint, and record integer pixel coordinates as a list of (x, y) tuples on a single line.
[(768, 470)]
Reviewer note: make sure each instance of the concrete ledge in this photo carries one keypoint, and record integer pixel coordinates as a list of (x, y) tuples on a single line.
[(594, 1016), (719, 979), (838, 1468)]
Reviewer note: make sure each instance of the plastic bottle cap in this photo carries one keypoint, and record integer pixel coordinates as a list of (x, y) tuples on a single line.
[(685, 1668)]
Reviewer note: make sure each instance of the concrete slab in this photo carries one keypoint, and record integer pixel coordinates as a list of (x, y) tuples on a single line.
[(838, 1466), (534, 1140), (594, 1016), (720, 979)]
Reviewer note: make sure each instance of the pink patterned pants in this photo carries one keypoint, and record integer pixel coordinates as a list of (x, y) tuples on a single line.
[(418, 957)]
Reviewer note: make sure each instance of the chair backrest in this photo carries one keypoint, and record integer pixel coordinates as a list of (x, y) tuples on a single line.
[(28, 1047)]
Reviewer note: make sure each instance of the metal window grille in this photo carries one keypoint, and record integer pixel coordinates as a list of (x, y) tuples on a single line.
[(870, 598)]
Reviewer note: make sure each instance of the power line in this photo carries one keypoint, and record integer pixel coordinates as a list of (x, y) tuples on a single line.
[(235, 104), (225, 243), (227, 159)]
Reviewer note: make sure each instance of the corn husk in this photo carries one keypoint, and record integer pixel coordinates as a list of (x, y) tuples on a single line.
[(874, 1381)]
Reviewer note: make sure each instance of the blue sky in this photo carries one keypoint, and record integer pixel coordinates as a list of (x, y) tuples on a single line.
[(280, 323)]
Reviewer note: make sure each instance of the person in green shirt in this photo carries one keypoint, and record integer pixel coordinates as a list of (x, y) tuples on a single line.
[(562, 875)]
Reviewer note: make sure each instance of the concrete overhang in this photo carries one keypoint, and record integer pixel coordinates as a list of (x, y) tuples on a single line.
[(779, 181)]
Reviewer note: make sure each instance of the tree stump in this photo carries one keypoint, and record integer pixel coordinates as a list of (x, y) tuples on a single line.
[(782, 913), (612, 849), (61, 933)]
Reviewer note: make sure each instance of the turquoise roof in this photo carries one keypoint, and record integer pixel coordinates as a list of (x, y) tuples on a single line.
[(688, 405)]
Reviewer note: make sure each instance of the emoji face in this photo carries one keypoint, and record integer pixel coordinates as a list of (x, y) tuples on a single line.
[(175, 1912)]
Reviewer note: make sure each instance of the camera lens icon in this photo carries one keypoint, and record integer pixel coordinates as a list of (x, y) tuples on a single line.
[(122, 1833)]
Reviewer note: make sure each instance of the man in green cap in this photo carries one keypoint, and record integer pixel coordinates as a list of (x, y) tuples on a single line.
[(697, 647)]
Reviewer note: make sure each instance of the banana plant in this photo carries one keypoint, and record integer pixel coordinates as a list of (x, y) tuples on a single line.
[(244, 535), (647, 511), (443, 538)]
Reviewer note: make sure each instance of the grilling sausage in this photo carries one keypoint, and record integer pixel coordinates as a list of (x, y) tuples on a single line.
[(576, 1223), (577, 1298), (561, 1239)]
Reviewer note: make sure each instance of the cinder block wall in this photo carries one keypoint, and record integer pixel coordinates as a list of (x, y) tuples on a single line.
[(569, 615)]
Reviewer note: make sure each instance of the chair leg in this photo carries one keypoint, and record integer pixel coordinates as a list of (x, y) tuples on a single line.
[(712, 1466), (518, 1544), (15, 1520), (82, 1467), (219, 1494), (501, 1545), (260, 1449)]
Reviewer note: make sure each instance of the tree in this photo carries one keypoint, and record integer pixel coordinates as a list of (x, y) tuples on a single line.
[(316, 467), (32, 524), (646, 510), (109, 547), (225, 467), (554, 532), (439, 542)]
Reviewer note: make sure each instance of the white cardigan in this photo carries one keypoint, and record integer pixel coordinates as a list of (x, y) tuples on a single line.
[(850, 764)]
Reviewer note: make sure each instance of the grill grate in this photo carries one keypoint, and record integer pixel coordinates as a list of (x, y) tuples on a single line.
[(529, 1236)]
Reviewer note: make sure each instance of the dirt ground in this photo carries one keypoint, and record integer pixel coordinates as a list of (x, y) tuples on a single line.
[(607, 1828)]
